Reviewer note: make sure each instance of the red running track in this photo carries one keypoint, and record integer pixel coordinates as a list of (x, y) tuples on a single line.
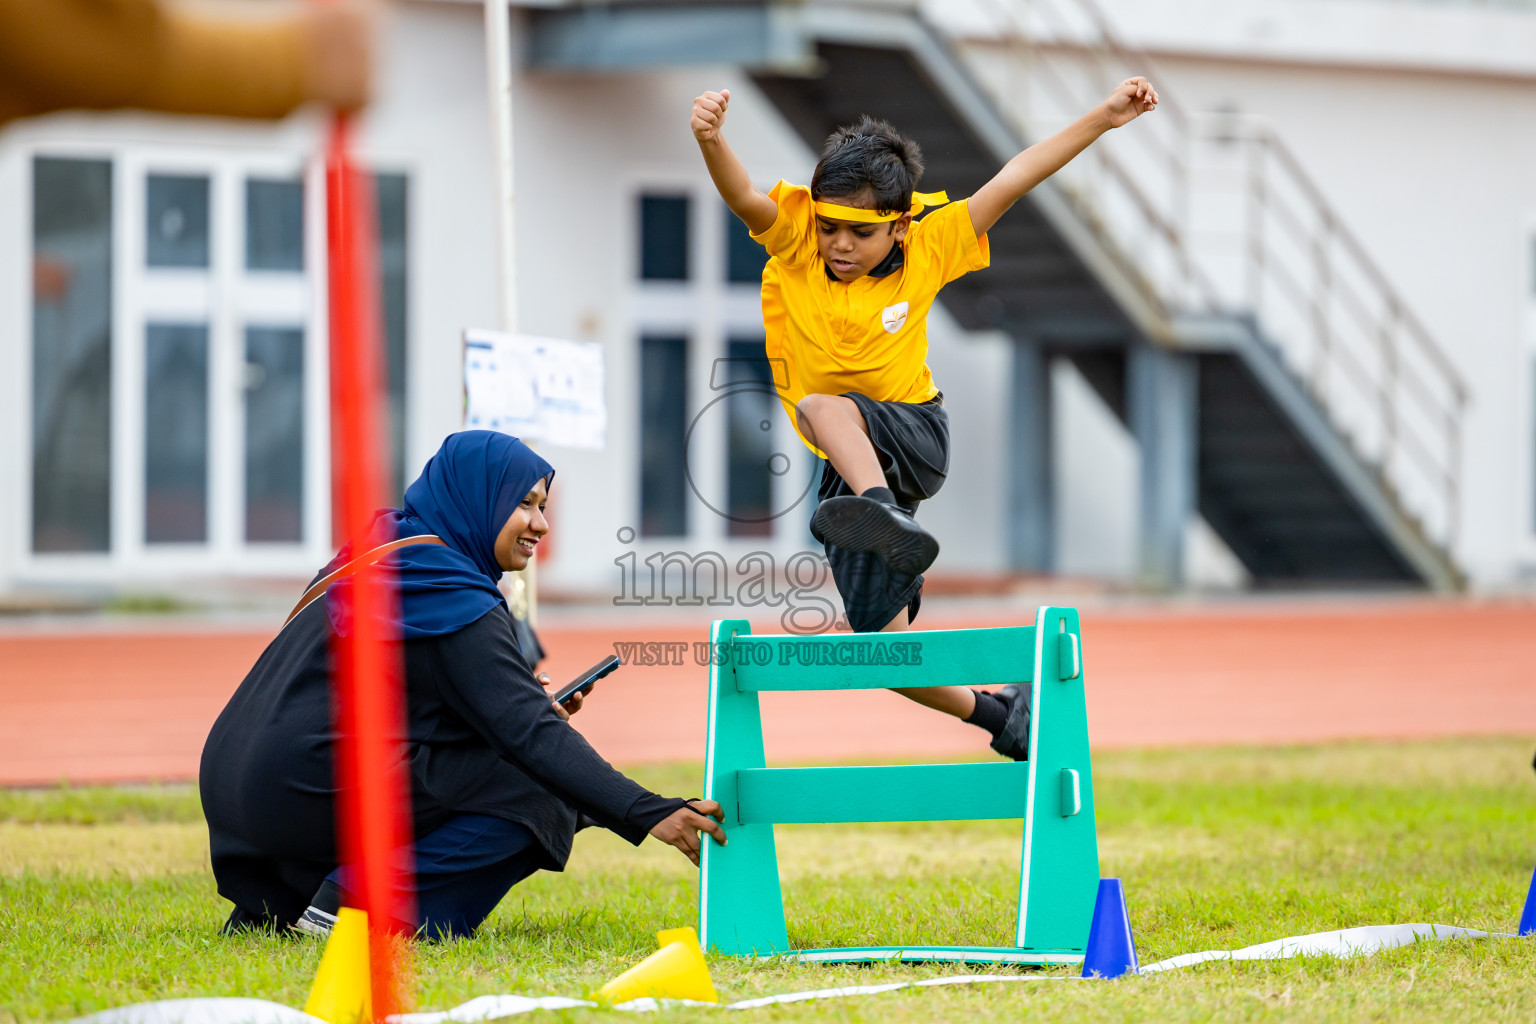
[(100, 706)]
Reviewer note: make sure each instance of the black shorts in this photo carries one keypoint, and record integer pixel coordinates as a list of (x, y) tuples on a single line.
[(912, 442)]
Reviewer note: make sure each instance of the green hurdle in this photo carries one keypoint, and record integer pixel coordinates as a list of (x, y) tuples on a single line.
[(741, 907)]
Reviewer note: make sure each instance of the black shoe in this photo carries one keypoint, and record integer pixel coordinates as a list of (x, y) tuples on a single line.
[(241, 920), (320, 916), (315, 921), (864, 524), (1013, 741)]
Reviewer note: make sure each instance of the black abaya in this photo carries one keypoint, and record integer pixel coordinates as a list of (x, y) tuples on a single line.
[(482, 738)]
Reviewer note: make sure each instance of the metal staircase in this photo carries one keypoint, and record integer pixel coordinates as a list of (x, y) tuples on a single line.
[(1327, 421), (1329, 428)]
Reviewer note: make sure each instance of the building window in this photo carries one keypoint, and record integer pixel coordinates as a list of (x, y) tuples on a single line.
[(663, 429), (392, 191), (175, 433), (71, 354), (744, 258), (274, 224), (274, 434), (664, 238), (176, 221), (749, 447)]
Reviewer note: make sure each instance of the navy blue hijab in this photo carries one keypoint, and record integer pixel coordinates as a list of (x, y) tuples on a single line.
[(465, 494)]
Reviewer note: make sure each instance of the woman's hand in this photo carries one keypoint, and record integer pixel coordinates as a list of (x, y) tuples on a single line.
[(683, 826), (572, 703)]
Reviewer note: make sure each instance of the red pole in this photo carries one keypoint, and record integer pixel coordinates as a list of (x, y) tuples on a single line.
[(373, 802)]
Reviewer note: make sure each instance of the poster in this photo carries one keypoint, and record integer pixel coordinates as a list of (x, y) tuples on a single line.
[(538, 389)]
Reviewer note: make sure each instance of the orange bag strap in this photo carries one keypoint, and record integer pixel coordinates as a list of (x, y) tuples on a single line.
[(357, 563)]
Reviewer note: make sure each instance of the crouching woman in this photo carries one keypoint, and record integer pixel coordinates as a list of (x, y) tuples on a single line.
[(497, 774)]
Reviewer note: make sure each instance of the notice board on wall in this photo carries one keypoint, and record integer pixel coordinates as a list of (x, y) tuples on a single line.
[(538, 389)]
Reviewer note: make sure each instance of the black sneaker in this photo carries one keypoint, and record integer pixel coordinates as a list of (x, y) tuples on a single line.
[(315, 921), (864, 524), (320, 916), (1013, 741), (241, 920)]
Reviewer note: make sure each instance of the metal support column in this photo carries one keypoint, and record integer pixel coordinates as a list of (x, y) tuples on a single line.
[(1161, 399), (1031, 513)]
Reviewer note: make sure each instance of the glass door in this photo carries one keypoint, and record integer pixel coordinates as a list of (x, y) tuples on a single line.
[(223, 392), (176, 293), (178, 377)]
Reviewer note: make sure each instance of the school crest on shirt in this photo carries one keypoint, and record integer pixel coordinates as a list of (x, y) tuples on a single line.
[(894, 317)]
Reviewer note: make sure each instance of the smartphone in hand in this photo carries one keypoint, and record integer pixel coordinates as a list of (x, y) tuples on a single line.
[(583, 682)]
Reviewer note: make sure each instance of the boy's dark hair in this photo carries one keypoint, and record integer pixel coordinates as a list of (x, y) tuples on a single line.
[(869, 155)]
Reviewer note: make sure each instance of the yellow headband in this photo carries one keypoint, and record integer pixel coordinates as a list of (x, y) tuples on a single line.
[(833, 211)]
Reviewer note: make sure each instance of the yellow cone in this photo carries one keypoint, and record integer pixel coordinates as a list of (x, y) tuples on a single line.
[(670, 935), (343, 989), (676, 971)]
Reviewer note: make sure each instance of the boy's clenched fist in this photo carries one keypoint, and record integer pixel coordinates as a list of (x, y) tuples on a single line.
[(1132, 97), (709, 114)]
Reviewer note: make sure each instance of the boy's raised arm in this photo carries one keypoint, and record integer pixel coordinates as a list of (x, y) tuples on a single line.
[(730, 177), (1132, 97)]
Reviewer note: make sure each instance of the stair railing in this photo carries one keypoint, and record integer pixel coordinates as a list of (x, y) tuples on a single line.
[(1211, 214)]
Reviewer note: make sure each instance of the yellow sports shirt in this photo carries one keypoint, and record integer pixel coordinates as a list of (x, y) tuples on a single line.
[(868, 336)]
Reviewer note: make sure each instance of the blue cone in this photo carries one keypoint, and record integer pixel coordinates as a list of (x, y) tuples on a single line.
[(1528, 918), (1111, 947)]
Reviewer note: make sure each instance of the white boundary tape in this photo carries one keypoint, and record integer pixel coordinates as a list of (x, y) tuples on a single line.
[(1346, 942), (204, 1011)]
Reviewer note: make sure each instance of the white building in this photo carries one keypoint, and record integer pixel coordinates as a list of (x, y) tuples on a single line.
[(163, 406)]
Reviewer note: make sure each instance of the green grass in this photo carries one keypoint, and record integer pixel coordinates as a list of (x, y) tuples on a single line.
[(100, 805), (106, 898)]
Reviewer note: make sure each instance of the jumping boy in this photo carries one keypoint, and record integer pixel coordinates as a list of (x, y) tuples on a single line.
[(846, 295)]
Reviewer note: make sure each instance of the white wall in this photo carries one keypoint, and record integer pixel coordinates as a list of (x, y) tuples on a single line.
[(431, 120), (1098, 477), (1460, 36)]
